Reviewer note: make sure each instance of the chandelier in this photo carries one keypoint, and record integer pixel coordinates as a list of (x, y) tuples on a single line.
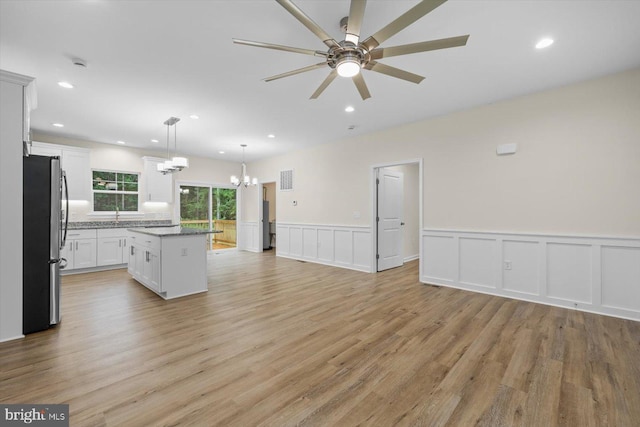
[(176, 164), (244, 178)]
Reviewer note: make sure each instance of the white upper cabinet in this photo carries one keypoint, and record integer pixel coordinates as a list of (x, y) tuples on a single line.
[(43, 149), (75, 162), (157, 185)]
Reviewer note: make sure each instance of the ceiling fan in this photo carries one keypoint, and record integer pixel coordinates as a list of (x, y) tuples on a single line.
[(348, 57)]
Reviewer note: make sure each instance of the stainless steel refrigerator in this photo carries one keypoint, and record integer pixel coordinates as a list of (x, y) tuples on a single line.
[(44, 234)]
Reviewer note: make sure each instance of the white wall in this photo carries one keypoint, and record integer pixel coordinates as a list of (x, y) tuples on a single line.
[(576, 170)]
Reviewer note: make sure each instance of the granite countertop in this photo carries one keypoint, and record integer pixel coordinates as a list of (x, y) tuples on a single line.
[(90, 225), (175, 230)]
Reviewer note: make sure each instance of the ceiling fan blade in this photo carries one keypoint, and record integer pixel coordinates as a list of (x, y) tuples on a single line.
[(362, 86), (308, 22), (386, 52), (332, 75), (393, 72), (356, 13), (281, 47), (298, 71), (402, 22)]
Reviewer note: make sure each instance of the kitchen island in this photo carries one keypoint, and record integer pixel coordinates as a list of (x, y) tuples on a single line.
[(170, 261)]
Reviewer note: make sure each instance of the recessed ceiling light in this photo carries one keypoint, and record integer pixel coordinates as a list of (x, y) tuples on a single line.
[(194, 117), (349, 109), (58, 125), (221, 152), (65, 85), (544, 43), (271, 135), (121, 142), (154, 140)]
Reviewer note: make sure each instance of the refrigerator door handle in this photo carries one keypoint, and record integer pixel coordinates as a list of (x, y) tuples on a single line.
[(66, 212)]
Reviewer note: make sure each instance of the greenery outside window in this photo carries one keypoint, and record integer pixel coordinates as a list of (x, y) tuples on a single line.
[(115, 191)]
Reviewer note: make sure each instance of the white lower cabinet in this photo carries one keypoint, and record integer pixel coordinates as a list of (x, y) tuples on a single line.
[(91, 248), (80, 249), (113, 246)]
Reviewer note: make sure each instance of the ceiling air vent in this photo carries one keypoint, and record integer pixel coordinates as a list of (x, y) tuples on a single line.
[(286, 180)]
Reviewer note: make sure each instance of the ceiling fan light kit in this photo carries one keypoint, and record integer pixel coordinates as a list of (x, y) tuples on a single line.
[(348, 64), (348, 57)]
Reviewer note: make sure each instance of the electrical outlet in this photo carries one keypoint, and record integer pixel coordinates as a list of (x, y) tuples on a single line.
[(507, 265)]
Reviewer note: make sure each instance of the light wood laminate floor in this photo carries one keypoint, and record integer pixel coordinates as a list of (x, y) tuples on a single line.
[(280, 342)]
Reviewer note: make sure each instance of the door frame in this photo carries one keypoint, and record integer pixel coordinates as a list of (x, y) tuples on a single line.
[(373, 174), (260, 213), (176, 201)]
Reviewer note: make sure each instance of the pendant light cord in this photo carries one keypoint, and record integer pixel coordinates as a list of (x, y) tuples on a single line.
[(175, 139), (167, 141)]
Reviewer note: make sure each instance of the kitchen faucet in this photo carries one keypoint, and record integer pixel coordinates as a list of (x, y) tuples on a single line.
[(117, 214)]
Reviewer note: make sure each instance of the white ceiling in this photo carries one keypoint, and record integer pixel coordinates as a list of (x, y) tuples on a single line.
[(149, 60)]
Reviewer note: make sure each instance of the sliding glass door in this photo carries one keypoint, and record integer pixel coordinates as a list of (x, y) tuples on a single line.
[(210, 208)]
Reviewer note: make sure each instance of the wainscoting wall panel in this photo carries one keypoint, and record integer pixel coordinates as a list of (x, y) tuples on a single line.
[(619, 265), (522, 277), (595, 274), (248, 236), (569, 272), (476, 262), (337, 245)]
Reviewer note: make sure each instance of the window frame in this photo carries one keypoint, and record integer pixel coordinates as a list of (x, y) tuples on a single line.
[(123, 192)]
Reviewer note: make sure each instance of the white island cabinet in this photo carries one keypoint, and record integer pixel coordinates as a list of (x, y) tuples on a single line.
[(170, 261)]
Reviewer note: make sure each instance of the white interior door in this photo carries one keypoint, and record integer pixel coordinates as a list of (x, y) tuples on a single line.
[(390, 217)]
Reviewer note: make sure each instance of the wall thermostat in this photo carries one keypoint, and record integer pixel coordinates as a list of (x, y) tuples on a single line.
[(506, 149)]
